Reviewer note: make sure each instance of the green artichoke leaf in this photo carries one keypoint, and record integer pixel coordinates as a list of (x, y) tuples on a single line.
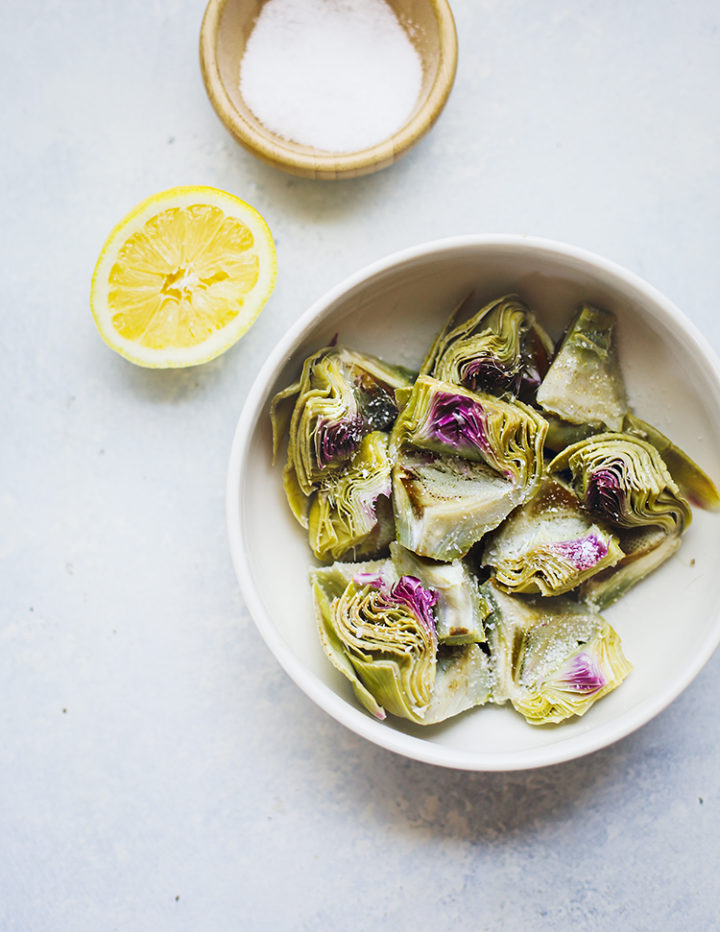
[(506, 435), (324, 593), (341, 396), (463, 680), (584, 384), (281, 408), (445, 504), (459, 310), (352, 511), (549, 545), (624, 481), (562, 434), (694, 484), (501, 348), (298, 501), (551, 658), (460, 609)]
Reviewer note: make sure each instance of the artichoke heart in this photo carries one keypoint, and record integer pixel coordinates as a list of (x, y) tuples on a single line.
[(585, 384), (382, 637), (623, 480), (551, 658), (506, 435), (352, 512), (341, 396), (549, 545), (378, 627), (501, 348), (444, 504), (460, 609)]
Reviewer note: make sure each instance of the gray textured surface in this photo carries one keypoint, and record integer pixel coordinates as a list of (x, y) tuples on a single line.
[(159, 770)]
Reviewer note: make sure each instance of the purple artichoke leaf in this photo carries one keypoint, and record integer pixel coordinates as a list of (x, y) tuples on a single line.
[(411, 592), (458, 421), (583, 674), (584, 552), (338, 440)]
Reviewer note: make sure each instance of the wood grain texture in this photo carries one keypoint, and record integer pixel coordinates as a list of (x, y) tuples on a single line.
[(225, 29)]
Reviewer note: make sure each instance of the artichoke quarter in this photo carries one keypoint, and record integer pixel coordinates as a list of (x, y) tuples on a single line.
[(501, 348), (381, 636), (623, 479), (551, 658), (463, 461), (584, 384), (378, 629), (549, 545), (337, 419)]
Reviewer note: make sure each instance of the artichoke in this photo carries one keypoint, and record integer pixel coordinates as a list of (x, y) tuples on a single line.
[(381, 635), (459, 609), (584, 384), (549, 545), (341, 396), (443, 418), (623, 480), (352, 511), (551, 658), (694, 484), (502, 348), (463, 462), (444, 504), (378, 628)]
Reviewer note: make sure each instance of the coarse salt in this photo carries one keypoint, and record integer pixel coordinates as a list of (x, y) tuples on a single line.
[(338, 75)]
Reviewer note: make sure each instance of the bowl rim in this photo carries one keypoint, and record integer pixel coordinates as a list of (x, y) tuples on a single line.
[(340, 709), (284, 154)]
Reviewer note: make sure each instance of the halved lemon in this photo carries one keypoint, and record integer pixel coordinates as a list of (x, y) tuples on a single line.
[(182, 277)]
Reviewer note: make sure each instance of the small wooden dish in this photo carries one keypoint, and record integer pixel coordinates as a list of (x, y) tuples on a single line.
[(225, 29)]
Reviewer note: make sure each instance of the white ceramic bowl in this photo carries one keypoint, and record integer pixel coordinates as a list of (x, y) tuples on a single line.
[(669, 624)]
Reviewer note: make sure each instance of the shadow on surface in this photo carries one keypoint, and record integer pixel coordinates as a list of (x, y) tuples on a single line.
[(169, 386), (484, 807), (310, 200)]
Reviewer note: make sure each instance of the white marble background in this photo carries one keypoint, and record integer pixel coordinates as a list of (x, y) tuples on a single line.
[(159, 770)]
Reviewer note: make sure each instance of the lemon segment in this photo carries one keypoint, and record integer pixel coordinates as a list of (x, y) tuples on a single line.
[(182, 277)]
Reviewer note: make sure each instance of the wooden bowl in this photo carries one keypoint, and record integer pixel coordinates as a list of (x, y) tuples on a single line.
[(225, 29)]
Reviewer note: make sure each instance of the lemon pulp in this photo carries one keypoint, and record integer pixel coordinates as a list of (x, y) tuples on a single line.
[(182, 277)]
